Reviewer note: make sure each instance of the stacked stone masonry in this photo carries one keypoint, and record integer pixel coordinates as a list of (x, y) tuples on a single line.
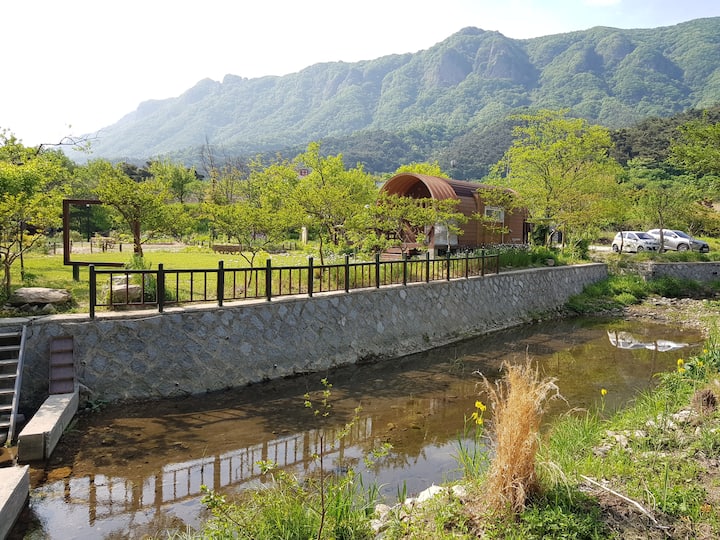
[(697, 271), (192, 350)]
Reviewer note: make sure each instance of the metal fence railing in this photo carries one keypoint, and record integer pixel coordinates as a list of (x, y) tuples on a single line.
[(119, 289)]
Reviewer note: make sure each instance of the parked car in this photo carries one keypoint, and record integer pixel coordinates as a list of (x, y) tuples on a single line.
[(679, 240), (634, 241)]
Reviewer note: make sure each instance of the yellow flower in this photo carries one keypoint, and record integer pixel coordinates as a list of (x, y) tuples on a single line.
[(680, 362), (603, 392), (477, 417), (705, 351), (681, 369), (700, 363)]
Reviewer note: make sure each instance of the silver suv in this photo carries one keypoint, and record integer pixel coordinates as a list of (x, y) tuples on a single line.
[(679, 240), (634, 241)]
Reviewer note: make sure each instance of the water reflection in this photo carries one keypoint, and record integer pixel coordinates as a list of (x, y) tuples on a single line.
[(626, 340), (139, 469)]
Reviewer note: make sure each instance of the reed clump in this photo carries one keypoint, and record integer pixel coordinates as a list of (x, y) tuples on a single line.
[(518, 402)]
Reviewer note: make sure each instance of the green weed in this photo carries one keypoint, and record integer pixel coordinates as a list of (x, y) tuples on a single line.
[(472, 454), (323, 506)]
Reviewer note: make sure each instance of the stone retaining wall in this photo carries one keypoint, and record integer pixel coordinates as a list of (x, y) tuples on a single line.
[(696, 271), (190, 350)]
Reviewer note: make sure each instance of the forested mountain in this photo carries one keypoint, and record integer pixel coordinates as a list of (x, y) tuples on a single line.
[(448, 102)]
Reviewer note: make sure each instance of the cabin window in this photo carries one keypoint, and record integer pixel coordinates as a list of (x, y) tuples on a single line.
[(495, 213)]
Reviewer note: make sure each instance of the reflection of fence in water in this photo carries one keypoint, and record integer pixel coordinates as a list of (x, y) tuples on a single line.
[(109, 496)]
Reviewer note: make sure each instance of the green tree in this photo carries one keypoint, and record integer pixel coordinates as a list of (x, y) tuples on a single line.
[(224, 176), (431, 169), (181, 182), (329, 195), (697, 149), (396, 221), (392, 221), (141, 204), (662, 199), (31, 183), (561, 172), (261, 214), (180, 220)]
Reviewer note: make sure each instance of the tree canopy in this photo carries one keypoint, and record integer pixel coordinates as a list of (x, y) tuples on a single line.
[(141, 204), (328, 195), (561, 171), (31, 188)]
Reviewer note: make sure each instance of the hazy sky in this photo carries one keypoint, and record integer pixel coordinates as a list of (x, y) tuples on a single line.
[(75, 67)]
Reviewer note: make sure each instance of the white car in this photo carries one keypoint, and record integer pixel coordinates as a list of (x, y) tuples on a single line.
[(679, 240), (634, 241)]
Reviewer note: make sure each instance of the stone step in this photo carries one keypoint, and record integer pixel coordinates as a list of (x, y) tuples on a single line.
[(14, 493), (38, 438)]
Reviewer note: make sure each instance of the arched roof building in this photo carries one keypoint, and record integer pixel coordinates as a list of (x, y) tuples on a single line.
[(475, 233)]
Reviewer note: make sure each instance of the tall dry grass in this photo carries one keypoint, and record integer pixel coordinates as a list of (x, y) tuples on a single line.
[(518, 401)]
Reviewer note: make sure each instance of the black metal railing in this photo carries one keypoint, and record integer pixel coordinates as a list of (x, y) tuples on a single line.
[(121, 289)]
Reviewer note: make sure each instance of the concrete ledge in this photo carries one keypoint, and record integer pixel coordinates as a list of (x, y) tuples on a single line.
[(42, 433), (14, 492)]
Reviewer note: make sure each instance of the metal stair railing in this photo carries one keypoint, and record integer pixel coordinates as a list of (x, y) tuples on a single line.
[(18, 386)]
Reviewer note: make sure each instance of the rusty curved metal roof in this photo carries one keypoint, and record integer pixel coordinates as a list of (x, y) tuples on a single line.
[(439, 188)]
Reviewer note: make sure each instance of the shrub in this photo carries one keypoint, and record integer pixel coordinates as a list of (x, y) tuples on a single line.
[(673, 287), (615, 292), (518, 403)]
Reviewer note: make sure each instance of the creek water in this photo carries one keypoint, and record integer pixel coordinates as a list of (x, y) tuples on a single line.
[(137, 470)]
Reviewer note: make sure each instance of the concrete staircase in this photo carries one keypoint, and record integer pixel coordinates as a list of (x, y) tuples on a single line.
[(11, 348)]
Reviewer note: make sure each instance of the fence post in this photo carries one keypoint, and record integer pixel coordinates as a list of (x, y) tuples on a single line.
[(482, 262), (160, 288), (404, 268), (467, 264), (377, 270), (347, 273), (311, 276), (268, 280), (93, 290), (448, 265), (427, 267), (221, 283)]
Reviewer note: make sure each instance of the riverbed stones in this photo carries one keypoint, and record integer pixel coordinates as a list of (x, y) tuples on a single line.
[(403, 511)]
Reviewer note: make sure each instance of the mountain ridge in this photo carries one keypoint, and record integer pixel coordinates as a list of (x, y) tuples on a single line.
[(474, 77)]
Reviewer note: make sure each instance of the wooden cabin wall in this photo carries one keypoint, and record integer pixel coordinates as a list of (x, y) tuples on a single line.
[(469, 237), (513, 222)]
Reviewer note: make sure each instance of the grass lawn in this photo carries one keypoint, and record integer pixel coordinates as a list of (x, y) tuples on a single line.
[(49, 271)]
